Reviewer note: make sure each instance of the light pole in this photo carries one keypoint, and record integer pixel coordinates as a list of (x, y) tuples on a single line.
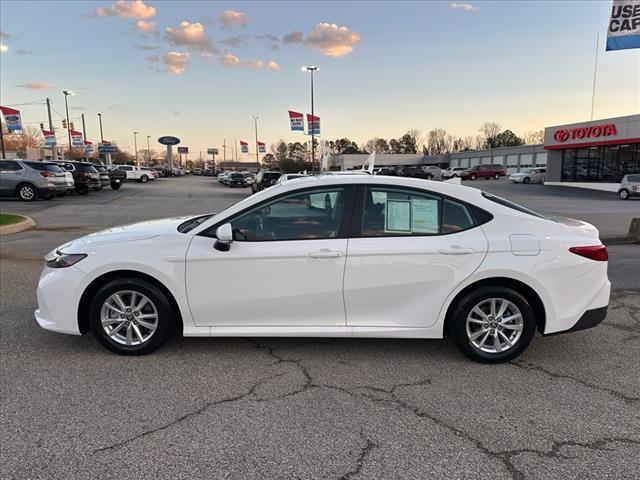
[(255, 122), (313, 122), (135, 145), (101, 135), (66, 106), (148, 151)]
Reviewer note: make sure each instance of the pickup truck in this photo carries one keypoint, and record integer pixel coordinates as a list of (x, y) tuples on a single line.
[(117, 177), (135, 173)]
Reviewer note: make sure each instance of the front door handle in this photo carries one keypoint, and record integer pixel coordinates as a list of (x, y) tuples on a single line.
[(325, 253), (456, 250)]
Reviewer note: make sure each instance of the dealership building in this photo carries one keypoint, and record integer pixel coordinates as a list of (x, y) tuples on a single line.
[(594, 154)]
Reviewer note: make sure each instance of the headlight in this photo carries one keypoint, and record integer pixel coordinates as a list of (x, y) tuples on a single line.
[(63, 260)]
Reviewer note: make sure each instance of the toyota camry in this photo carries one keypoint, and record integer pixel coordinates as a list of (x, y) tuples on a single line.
[(339, 256)]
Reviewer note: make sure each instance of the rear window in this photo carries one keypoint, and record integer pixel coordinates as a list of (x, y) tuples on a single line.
[(514, 206), (271, 175), (86, 168), (633, 178), (45, 167)]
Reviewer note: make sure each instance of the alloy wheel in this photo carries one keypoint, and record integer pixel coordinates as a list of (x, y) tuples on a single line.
[(494, 325), (129, 317), (27, 192)]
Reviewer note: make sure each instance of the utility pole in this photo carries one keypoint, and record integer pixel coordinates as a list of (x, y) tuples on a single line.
[(148, 152), (54, 147), (255, 120), (313, 120), (84, 135), (224, 153), (135, 146), (66, 106), (595, 69)]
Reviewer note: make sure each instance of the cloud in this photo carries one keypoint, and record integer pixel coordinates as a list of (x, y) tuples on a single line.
[(229, 60), (270, 39), (232, 18), (467, 7), (5, 35), (4, 48), (236, 41), (174, 62), (21, 51), (126, 9), (146, 47), (293, 37), (119, 108), (332, 40), (144, 26), (36, 86), (190, 35)]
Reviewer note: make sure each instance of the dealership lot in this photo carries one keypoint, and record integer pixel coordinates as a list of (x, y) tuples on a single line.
[(309, 408)]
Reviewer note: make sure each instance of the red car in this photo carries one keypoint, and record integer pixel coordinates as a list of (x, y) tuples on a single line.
[(483, 171)]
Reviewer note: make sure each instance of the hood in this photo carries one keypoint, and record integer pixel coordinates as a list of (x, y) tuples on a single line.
[(519, 174), (125, 233)]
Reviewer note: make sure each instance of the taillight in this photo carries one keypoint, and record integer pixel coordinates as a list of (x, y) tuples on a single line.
[(47, 174), (593, 252)]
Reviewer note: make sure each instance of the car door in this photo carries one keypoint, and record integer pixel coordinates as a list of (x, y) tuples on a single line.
[(284, 268), (409, 249), (11, 174)]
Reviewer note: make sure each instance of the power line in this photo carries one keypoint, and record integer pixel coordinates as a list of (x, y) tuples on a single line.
[(35, 102)]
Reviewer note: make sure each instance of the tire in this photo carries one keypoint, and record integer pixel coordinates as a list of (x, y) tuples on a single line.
[(144, 179), (455, 175), (526, 180), (82, 189), (429, 177), (465, 331), (473, 176), (125, 340), (27, 192), (116, 186), (497, 176), (624, 194)]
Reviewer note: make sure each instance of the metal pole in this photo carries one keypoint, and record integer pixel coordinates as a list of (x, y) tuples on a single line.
[(54, 147), (255, 120), (224, 153), (2, 141), (101, 135), (148, 152), (84, 134), (313, 130), (135, 146), (595, 68), (66, 106)]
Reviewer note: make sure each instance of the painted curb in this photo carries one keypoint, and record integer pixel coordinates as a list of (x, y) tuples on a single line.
[(26, 224)]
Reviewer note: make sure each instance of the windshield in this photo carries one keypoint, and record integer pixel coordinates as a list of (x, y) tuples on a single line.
[(192, 223)]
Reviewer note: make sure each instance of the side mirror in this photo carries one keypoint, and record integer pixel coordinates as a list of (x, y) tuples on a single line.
[(224, 235)]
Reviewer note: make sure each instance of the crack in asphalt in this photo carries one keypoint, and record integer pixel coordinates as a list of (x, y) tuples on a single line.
[(361, 458), (615, 393), (617, 301)]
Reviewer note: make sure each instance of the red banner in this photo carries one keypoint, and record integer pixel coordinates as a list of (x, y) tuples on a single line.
[(244, 147), (297, 121)]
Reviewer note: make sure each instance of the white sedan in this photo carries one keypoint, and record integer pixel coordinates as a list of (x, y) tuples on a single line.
[(340, 256), (529, 175)]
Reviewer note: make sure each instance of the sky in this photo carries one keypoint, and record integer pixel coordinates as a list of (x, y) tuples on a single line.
[(199, 70)]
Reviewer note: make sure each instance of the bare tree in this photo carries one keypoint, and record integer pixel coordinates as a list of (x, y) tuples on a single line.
[(489, 131), (378, 145), (469, 143), (438, 141), (417, 136), (30, 137), (534, 138)]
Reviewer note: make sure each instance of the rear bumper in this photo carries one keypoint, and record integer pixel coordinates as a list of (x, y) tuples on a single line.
[(589, 319)]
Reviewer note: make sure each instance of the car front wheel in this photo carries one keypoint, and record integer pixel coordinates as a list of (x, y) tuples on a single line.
[(130, 316), (492, 324), (497, 176), (526, 180), (144, 179), (623, 194), (27, 192), (473, 176)]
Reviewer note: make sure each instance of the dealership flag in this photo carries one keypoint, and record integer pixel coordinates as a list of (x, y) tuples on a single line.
[(624, 25), (244, 147), (49, 138), (88, 146), (313, 124), (262, 148), (297, 121), (76, 138), (12, 119)]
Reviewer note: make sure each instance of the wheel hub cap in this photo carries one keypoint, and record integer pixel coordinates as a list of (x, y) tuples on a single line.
[(129, 317), (494, 325)]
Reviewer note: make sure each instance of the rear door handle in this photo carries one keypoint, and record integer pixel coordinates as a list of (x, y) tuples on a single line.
[(456, 250), (324, 253)]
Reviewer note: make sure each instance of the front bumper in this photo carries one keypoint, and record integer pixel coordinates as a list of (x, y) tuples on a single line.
[(59, 291)]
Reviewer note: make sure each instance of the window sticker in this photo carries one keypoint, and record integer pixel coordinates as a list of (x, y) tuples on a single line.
[(398, 216), (424, 216)]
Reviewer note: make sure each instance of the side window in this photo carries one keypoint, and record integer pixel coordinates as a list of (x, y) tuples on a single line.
[(456, 217), (6, 166), (399, 212), (300, 216)]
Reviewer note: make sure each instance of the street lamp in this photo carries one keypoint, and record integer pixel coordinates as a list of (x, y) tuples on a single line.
[(148, 151), (255, 121), (101, 135), (313, 143), (66, 106), (135, 145)]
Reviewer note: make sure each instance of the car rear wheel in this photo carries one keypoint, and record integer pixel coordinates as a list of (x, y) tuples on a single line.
[(526, 180), (623, 194), (144, 179), (492, 324), (473, 176), (115, 185), (27, 192), (130, 316), (497, 176)]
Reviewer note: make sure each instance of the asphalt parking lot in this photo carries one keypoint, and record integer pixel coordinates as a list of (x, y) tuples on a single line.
[(259, 408)]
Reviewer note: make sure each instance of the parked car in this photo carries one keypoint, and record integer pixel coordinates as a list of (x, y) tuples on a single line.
[(493, 275), (629, 186), (103, 171), (452, 172), (136, 173), (529, 175), (290, 176), (29, 180), (117, 178), (483, 171), (426, 172), (264, 179), (85, 176), (388, 171), (237, 179), (222, 178), (197, 171)]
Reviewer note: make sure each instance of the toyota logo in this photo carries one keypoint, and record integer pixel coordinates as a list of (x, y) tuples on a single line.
[(561, 135)]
